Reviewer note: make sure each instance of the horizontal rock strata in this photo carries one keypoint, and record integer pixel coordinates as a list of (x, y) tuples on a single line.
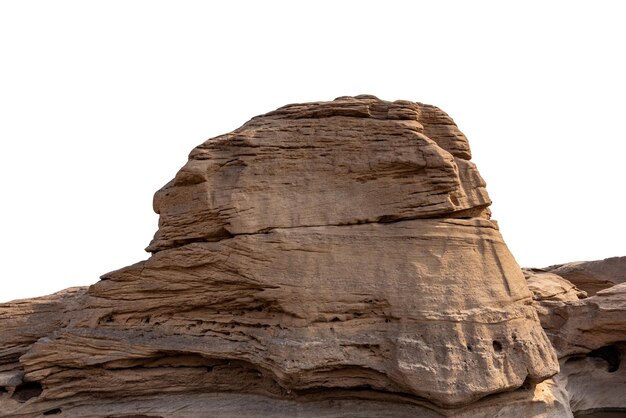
[(589, 333), (592, 276), (323, 257)]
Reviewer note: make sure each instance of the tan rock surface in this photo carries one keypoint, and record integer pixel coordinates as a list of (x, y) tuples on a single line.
[(589, 334), (23, 322), (350, 161), (593, 276), (322, 256), (549, 291), (551, 287), (579, 326)]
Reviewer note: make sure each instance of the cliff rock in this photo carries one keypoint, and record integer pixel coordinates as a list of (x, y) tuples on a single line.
[(325, 259)]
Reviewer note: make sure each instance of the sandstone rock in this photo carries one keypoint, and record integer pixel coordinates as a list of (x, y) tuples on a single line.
[(545, 400), (589, 334), (350, 161), (548, 290), (580, 326), (593, 276), (551, 287), (595, 381), (23, 322), (324, 258)]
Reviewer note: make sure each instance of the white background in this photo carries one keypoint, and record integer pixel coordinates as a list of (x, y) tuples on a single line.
[(100, 103)]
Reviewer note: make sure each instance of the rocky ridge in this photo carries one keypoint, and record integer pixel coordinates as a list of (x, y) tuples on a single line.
[(324, 258)]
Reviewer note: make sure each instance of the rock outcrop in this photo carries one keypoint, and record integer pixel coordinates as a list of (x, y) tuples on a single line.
[(345, 162), (593, 276), (588, 333), (324, 258)]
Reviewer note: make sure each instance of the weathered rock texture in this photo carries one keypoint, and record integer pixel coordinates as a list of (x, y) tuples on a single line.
[(593, 276), (325, 259), (589, 333), (345, 162)]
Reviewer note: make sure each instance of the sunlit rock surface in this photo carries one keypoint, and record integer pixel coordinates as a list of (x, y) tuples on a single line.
[(593, 276), (325, 259)]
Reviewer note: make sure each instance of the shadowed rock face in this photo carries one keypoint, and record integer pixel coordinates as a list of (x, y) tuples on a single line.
[(323, 257)]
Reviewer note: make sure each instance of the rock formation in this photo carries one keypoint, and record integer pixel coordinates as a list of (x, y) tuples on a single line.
[(592, 276), (588, 333), (325, 259)]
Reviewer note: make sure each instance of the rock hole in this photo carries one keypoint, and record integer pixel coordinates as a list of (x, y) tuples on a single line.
[(469, 348), (54, 411), (209, 369), (335, 319), (27, 390), (497, 346), (147, 320), (107, 319), (610, 354), (3, 389)]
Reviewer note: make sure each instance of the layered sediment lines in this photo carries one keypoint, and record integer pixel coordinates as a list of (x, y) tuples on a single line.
[(588, 331), (323, 258)]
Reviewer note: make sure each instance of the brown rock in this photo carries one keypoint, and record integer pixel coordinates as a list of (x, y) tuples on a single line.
[(350, 161), (593, 276), (591, 323), (548, 290), (589, 334), (596, 381), (321, 258), (551, 287), (23, 322)]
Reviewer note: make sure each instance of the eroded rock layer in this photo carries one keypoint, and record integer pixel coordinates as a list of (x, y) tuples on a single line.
[(589, 333), (321, 254), (349, 161), (593, 276)]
